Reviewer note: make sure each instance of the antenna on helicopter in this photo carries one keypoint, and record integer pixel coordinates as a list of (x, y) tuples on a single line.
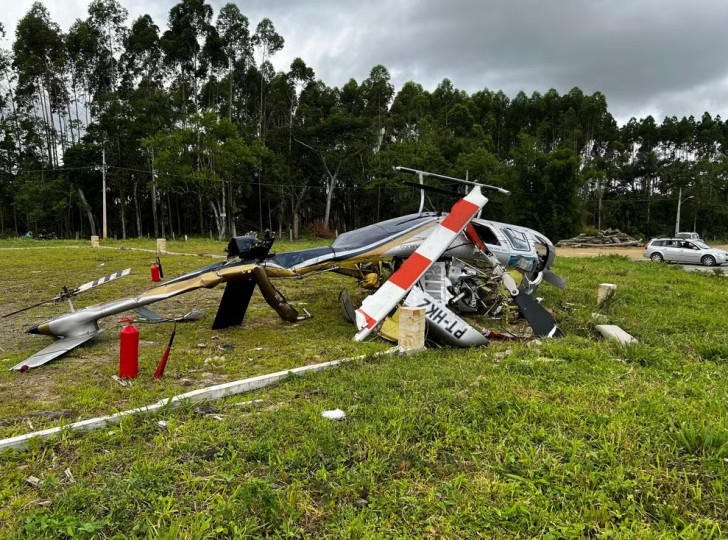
[(423, 174)]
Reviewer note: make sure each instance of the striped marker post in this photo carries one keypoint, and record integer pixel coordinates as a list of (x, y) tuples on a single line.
[(377, 306)]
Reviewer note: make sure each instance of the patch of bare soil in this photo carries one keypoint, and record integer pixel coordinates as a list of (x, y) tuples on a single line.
[(595, 252)]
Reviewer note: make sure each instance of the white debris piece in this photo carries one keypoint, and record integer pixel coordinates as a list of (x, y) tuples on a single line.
[(615, 333), (163, 424), (32, 480), (336, 414)]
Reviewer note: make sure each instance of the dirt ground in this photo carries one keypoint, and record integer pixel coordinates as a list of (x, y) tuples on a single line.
[(594, 252)]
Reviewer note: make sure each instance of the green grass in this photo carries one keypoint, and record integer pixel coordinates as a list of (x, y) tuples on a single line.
[(572, 437)]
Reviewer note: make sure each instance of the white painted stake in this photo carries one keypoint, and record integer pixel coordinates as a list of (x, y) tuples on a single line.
[(203, 394), (605, 291)]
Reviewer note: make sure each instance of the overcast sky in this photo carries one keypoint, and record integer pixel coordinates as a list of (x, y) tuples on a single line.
[(659, 57)]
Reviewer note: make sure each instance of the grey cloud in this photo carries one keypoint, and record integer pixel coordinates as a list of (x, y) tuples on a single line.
[(660, 57)]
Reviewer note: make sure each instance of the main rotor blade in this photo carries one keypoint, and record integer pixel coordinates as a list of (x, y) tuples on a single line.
[(432, 188), (28, 307), (451, 179)]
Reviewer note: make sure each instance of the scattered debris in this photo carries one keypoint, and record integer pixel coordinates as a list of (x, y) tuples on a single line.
[(615, 333), (206, 410), (69, 475), (251, 403), (599, 317), (226, 347), (33, 481), (163, 424), (608, 237), (564, 307), (336, 414), (503, 354), (122, 382)]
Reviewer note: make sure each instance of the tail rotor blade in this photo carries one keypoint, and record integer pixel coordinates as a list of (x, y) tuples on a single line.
[(67, 294), (101, 281)]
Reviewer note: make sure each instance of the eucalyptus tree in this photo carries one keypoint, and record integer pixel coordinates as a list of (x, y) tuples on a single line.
[(189, 25), (377, 92), (267, 42), (233, 29), (107, 17), (142, 56), (36, 52), (409, 107)]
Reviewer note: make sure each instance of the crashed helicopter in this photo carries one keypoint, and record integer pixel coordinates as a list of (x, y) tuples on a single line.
[(446, 262)]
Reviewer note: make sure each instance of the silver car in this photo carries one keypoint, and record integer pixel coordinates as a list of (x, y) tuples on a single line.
[(683, 251)]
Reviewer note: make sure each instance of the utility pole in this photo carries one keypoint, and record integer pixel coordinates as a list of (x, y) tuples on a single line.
[(103, 193), (677, 218)]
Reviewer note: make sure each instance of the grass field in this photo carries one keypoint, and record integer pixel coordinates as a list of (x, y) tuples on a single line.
[(570, 437)]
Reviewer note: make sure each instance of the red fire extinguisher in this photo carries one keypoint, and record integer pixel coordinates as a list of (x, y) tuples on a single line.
[(129, 353), (157, 273)]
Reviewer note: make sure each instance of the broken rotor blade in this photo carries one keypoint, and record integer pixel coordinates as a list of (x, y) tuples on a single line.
[(542, 322), (377, 306)]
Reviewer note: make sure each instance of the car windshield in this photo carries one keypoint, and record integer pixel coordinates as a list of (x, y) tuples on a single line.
[(701, 245)]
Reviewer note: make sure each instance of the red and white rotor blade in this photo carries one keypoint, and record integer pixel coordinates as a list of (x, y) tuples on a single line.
[(377, 306)]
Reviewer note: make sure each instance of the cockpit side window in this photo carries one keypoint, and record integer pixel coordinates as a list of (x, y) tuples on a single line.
[(517, 239), (486, 234)]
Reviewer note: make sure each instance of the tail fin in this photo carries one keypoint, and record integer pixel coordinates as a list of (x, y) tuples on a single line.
[(234, 304)]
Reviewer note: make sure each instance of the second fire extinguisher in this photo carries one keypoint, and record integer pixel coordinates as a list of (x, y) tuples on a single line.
[(157, 272)]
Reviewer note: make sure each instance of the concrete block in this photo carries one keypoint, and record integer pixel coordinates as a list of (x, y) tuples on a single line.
[(94, 241), (605, 291), (162, 245), (615, 333)]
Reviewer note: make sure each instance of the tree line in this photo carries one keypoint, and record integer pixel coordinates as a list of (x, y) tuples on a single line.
[(195, 132)]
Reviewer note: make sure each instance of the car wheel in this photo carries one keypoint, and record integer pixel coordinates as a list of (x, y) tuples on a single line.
[(708, 260), (657, 257)]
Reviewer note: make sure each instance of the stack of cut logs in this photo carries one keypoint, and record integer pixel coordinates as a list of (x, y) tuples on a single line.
[(609, 237)]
